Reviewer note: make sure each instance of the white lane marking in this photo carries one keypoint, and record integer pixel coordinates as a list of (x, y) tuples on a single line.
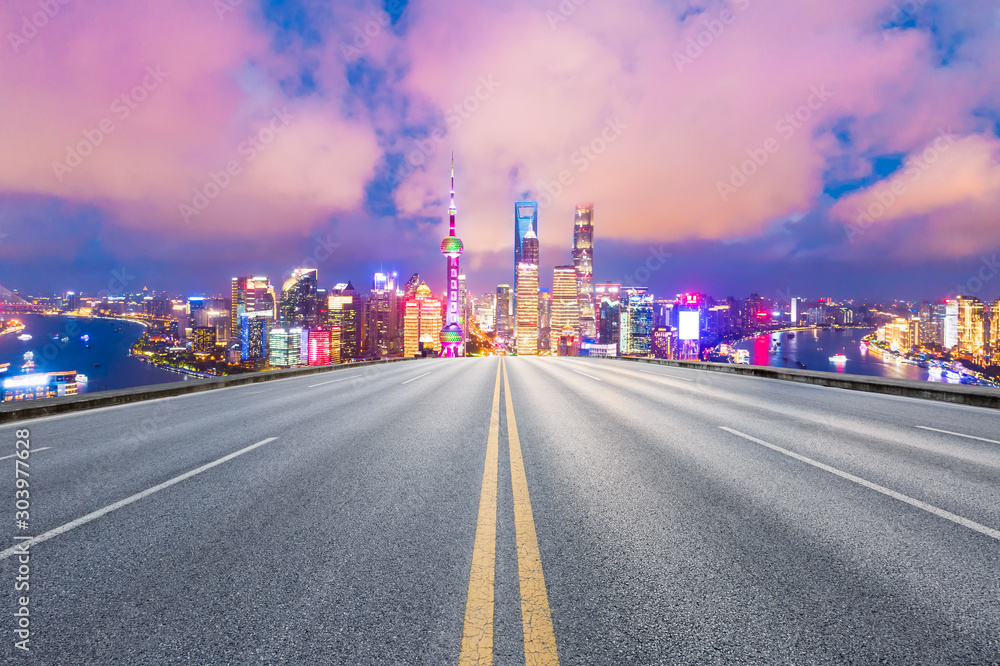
[(958, 434), (416, 378), (585, 374), (930, 508), (44, 448), (660, 374), (333, 381), (20, 548)]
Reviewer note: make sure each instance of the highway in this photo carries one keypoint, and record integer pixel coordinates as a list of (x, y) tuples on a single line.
[(531, 511)]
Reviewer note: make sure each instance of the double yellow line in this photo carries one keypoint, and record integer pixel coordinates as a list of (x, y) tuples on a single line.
[(477, 636)]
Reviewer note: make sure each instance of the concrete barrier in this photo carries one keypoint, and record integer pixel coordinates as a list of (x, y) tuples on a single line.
[(32, 409), (975, 396)]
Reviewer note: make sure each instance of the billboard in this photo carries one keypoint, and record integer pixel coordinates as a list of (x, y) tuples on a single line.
[(689, 325)]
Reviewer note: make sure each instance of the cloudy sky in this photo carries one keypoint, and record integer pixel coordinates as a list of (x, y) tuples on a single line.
[(802, 147)]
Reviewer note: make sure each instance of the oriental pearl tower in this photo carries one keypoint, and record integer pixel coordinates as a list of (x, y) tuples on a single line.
[(451, 247)]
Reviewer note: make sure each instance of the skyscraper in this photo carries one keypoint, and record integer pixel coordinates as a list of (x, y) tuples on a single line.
[(608, 313), (250, 295), (565, 311), (971, 326), (526, 297), (422, 322), (382, 325), (544, 319), (504, 325), (451, 333), (346, 311), (583, 261), (299, 304), (525, 220), (285, 347), (637, 322)]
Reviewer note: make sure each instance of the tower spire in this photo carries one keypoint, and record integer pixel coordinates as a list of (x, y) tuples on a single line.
[(451, 210)]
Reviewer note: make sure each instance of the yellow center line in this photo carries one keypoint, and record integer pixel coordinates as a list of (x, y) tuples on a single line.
[(477, 635), (539, 637)]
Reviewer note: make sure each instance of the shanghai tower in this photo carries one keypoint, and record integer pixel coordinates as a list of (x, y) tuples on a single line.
[(451, 247)]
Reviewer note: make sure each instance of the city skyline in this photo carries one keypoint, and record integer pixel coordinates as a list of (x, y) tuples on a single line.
[(828, 181)]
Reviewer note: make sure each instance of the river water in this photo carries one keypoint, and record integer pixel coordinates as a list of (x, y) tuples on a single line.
[(815, 347), (106, 362)]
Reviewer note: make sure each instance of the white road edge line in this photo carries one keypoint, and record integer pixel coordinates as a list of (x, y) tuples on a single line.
[(958, 434), (23, 547), (44, 448), (585, 374), (415, 378), (660, 374), (333, 381), (930, 508)]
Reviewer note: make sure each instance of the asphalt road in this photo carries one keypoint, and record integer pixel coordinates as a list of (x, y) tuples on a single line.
[(576, 511)]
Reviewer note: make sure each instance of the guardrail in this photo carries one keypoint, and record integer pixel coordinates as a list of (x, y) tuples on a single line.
[(31, 409), (975, 396)]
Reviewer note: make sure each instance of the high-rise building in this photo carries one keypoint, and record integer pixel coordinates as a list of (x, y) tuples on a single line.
[(383, 326), (504, 318), (637, 322), (525, 220), (565, 333), (971, 320), (253, 339), (423, 322), (251, 296), (608, 312), (755, 314), (452, 335), (526, 310), (285, 347), (299, 298), (583, 261), (664, 341), (464, 310), (993, 332), (346, 311), (544, 319), (951, 324), (319, 346)]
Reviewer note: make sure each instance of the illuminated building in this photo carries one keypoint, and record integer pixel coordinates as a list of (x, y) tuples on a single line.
[(583, 261), (40, 385), (299, 298), (636, 327), (526, 310), (664, 341), (285, 347), (203, 339), (504, 320), (950, 324), (993, 332), (253, 339), (608, 312), (756, 316), (525, 220), (251, 296), (544, 319), (464, 308), (452, 335), (971, 325), (898, 334), (346, 311), (565, 311), (422, 322), (319, 346), (382, 325), (526, 297)]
